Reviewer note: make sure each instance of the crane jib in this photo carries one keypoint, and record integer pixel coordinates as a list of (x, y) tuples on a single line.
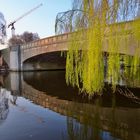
[(25, 14)]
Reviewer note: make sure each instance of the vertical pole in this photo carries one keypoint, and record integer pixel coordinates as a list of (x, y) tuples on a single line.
[(13, 31), (15, 58)]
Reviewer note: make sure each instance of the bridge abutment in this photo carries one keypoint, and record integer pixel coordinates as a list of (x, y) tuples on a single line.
[(12, 56), (15, 58)]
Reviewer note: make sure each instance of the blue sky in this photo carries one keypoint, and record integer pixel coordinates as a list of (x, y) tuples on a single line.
[(40, 21)]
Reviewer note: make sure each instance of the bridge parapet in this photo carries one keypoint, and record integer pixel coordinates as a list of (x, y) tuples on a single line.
[(124, 30), (47, 41)]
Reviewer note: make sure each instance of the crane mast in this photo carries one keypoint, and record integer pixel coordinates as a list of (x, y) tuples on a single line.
[(25, 14)]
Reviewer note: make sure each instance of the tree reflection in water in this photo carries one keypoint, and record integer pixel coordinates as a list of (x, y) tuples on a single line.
[(4, 105), (5, 99), (107, 117), (89, 130), (94, 124)]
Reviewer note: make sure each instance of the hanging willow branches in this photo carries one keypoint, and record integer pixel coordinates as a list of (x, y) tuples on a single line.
[(67, 21), (96, 23)]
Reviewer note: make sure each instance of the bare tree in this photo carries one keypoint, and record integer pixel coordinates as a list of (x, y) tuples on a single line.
[(29, 36), (15, 40), (23, 38)]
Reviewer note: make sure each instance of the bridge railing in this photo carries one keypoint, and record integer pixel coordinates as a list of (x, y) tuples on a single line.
[(124, 31), (47, 41)]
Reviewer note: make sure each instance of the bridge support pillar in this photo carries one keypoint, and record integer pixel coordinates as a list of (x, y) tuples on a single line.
[(15, 58)]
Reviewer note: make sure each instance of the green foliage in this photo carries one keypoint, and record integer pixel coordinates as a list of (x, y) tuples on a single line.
[(104, 29)]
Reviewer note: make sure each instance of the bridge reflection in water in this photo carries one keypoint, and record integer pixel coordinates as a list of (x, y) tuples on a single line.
[(111, 116)]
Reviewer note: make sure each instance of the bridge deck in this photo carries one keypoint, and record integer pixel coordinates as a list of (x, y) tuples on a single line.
[(125, 31)]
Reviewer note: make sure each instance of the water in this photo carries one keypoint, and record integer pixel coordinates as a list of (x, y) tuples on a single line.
[(40, 106)]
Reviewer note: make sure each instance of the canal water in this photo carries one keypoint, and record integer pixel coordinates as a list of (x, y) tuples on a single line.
[(40, 106)]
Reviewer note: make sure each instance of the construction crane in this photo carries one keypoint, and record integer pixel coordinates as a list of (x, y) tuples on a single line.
[(25, 14)]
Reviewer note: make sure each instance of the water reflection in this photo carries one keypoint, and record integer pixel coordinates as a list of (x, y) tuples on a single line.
[(103, 123), (4, 105), (54, 84), (108, 117), (90, 126), (6, 98)]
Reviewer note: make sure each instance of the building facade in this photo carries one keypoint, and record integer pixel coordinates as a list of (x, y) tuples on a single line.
[(3, 35)]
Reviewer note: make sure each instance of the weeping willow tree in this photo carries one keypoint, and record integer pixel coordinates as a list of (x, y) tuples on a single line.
[(98, 24)]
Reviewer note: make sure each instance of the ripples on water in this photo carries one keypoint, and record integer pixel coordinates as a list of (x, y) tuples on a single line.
[(40, 106)]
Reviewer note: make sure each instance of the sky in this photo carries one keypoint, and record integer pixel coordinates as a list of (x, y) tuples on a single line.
[(40, 21)]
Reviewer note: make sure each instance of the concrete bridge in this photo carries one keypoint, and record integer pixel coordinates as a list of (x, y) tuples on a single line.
[(17, 56)]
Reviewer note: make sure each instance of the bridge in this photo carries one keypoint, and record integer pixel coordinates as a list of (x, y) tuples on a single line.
[(17, 56)]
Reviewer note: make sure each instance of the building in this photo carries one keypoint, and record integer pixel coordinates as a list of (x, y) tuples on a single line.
[(3, 35)]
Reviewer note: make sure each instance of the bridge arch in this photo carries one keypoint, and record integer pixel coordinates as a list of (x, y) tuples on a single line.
[(45, 61), (47, 45)]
